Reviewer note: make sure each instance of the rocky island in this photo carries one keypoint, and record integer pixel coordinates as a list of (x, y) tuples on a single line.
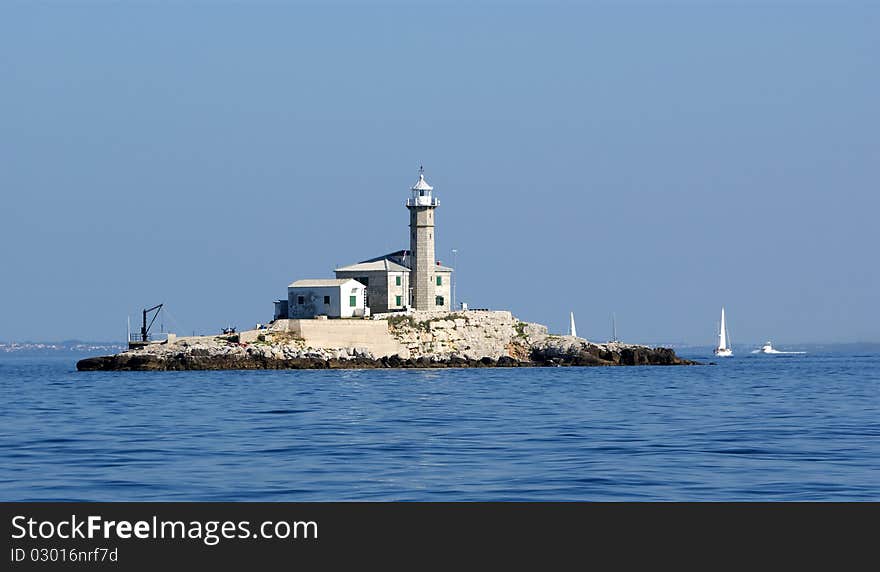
[(390, 311), (412, 340)]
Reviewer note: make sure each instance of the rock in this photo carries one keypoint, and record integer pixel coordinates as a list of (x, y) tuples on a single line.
[(427, 340)]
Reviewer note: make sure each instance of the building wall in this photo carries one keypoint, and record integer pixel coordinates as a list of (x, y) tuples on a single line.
[(372, 335), (280, 309), (372, 281), (421, 223), (339, 306), (394, 291), (382, 289), (444, 290)]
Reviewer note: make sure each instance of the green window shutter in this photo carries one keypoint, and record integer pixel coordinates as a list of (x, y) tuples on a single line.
[(439, 281), (353, 301), (397, 282), (398, 301)]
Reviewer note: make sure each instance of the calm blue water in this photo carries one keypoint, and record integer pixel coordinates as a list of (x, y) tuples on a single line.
[(750, 428)]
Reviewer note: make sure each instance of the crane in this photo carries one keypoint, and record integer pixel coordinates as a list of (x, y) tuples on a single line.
[(145, 329)]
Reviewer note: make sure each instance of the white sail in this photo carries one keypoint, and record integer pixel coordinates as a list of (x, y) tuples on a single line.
[(723, 349), (722, 334), (572, 330)]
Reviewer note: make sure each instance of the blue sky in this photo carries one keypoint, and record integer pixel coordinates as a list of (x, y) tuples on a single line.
[(657, 160)]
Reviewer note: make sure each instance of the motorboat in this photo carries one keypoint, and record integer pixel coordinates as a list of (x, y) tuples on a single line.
[(768, 348)]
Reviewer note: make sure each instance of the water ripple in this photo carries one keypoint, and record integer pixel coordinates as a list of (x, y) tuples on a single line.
[(746, 429)]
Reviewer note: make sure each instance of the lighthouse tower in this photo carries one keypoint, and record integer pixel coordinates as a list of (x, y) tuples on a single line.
[(421, 207)]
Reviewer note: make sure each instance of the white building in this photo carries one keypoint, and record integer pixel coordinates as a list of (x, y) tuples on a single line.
[(339, 298), (387, 279)]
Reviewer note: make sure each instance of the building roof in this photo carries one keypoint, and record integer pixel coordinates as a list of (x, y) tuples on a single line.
[(398, 256), (321, 283), (401, 258), (422, 184), (382, 265)]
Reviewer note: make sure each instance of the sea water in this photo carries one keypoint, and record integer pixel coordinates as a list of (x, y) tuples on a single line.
[(748, 428)]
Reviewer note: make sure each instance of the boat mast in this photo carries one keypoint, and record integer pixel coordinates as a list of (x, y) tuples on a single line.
[(613, 327)]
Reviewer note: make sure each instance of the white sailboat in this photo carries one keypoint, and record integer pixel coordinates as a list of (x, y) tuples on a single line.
[(572, 330), (723, 349)]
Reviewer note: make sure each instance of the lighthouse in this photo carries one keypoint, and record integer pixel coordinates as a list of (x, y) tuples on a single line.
[(423, 279)]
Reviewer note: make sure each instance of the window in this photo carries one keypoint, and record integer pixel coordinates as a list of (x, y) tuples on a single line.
[(398, 300), (397, 281), (438, 300), (439, 281), (326, 300), (353, 301), (300, 300)]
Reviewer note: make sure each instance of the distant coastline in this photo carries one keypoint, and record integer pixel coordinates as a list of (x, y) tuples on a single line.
[(69, 346)]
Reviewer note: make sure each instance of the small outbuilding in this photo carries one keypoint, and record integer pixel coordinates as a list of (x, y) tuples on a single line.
[(334, 298)]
